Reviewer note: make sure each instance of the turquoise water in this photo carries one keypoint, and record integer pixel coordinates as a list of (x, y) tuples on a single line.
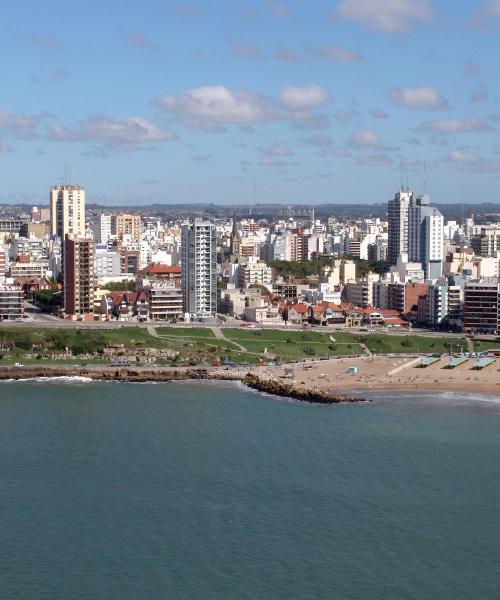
[(197, 491)]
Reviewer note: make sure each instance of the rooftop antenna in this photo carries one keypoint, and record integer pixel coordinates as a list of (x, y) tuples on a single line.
[(401, 167)]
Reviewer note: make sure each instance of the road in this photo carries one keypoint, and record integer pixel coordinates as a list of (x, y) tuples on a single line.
[(38, 319)]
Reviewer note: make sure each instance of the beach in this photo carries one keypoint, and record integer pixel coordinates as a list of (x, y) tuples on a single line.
[(393, 373)]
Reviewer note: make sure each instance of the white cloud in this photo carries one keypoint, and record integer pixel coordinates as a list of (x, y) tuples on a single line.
[(423, 97), (218, 104), (138, 39), (278, 9), (245, 50), (302, 98), (212, 107), (391, 16), (449, 126), (459, 157), (276, 150), (366, 138), (338, 55), (457, 160), (4, 147), (128, 134), (289, 56), (377, 113), (269, 161), (487, 16), (320, 140), (480, 93), (201, 157), (19, 126), (44, 40), (376, 160)]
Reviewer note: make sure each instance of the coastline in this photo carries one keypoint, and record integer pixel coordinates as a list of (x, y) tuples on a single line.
[(257, 381), (321, 381)]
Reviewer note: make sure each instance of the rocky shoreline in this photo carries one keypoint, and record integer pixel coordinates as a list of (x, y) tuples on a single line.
[(146, 374), (289, 390)]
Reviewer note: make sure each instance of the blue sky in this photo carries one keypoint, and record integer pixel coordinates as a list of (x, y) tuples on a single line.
[(194, 101)]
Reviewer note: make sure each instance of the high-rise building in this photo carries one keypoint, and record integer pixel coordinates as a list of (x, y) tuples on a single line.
[(397, 213), (126, 225), (482, 305), (102, 228), (426, 236), (3, 262), (199, 269), (11, 302), (487, 242), (67, 210), (79, 280)]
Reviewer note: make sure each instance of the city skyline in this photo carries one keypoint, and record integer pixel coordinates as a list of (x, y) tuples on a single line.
[(271, 102)]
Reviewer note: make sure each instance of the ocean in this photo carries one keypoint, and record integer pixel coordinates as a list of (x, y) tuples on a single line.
[(200, 491)]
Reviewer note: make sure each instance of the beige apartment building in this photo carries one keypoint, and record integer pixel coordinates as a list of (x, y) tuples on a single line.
[(67, 210), (126, 225)]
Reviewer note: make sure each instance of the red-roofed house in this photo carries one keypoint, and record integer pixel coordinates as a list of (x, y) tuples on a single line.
[(326, 313), (298, 313), (161, 271)]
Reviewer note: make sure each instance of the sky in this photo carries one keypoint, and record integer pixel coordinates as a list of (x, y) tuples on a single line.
[(233, 102)]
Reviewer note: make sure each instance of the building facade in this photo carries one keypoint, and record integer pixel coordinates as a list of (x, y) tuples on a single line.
[(67, 210), (482, 306), (126, 225), (426, 236), (397, 212), (11, 302), (199, 269), (79, 281)]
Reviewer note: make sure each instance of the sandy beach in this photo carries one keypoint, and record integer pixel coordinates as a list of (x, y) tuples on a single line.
[(331, 376), (378, 373)]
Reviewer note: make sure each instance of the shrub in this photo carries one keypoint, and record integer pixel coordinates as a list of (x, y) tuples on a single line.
[(332, 347), (309, 351)]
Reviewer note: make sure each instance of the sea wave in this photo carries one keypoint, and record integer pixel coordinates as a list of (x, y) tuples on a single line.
[(69, 379), (444, 397)]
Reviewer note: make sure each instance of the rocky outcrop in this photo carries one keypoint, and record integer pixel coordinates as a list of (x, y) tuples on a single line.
[(145, 374), (289, 390)]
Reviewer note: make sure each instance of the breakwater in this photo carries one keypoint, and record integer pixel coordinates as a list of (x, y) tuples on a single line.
[(289, 390), (164, 374)]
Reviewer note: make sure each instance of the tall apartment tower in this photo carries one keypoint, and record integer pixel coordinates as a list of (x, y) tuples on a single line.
[(426, 236), (78, 276), (397, 214), (67, 210), (102, 228), (126, 225), (199, 269)]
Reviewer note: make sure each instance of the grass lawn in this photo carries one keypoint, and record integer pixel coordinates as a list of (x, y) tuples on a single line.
[(295, 350), (378, 343), (188, 332), (482, 345), (199, 343), (271, 335)]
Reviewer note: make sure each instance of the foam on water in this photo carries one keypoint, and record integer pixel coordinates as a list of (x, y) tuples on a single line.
[(67, 379)]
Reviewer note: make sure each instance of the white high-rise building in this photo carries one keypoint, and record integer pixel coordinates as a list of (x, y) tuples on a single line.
[(199, 269), (67, 210), (426, 236), (102, 229), (398, 225)]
